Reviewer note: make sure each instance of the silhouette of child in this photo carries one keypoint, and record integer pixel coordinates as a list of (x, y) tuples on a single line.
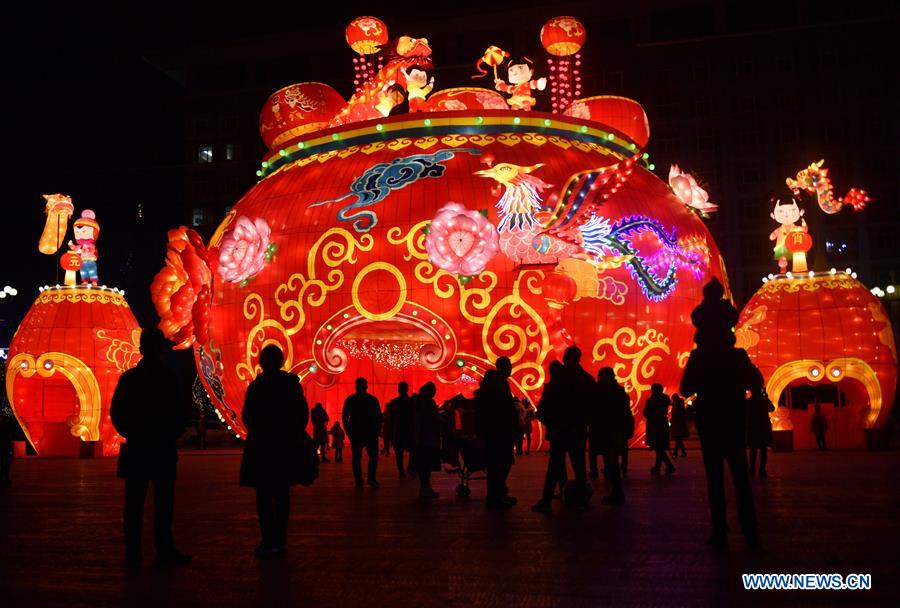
[(715, 317), (337, 441)]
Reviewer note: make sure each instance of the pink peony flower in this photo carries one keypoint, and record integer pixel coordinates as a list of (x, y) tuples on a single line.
[(579, 110), (689, 191), (244, 249), (491, 101), (461, 241)]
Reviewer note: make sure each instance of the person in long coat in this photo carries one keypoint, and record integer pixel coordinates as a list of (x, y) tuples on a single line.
[(679, 425), (401, 411), (656, 414), (548, 415), (759, 431), (720, 376), (610, 419), (320, 420), (362, 422), (148, 410), (275, 415), (498, 425), (427, 435)]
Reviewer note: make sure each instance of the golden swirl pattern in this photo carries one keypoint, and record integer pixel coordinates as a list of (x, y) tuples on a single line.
[(79, 294), (124, 354), (638, 356), (809, 284), (745, 336), (333, 248), (885, 335)]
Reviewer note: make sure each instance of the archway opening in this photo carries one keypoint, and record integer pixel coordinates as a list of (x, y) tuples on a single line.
[(845, 405)]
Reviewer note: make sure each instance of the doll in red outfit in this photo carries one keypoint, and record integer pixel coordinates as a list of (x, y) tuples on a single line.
[(520, 73)]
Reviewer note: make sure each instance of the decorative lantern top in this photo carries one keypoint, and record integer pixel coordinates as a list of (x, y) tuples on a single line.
[(563, 36), (366, 35)]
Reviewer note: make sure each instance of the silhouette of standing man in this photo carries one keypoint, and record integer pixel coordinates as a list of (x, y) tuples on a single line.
[(720, 375), (362, 422), (147, 409), (498, 422), (402, 412), (275, 414)]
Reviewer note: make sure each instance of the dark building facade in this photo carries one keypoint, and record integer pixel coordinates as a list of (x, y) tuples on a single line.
[(742, 95)]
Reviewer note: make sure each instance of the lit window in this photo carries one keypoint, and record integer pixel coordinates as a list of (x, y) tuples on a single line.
[(205, 154), (196, 217), (229, 151)]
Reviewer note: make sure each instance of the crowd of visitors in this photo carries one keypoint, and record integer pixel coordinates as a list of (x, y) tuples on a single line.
[(584, 419)]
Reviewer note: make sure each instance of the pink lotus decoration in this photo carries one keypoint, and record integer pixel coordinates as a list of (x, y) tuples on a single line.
[(689, 191), (245, 250), (461, 241)]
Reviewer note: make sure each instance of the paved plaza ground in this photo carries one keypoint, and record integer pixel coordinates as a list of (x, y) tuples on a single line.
[(837, 512)]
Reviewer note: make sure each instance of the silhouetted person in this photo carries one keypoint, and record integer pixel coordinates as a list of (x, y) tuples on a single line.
[(427, 439), (201, 431), (759, 431), (715, 317), (402, 412), (610, 419), (819, 425), (720, 375), (577, 395), (148, 410), (498, 424), (549, 415), (387, 431), (529, 424), (337, 441), (656, 414), (679, 424), (275, 414), (320, 419), (362, 422), (6, 449)]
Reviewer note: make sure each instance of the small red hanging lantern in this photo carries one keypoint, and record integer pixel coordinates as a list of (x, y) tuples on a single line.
[(798, 243), (366, 35), (563, 36)]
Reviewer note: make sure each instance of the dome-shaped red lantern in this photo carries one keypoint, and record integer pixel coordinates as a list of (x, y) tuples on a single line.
[(824, 339), (63, 365), (562, 36), (342, 272), (366, 35), (296, 110)]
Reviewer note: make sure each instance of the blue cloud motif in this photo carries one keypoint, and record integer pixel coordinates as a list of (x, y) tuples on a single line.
[(379, 180)]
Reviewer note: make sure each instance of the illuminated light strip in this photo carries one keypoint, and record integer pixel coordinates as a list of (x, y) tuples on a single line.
[(489, 124)]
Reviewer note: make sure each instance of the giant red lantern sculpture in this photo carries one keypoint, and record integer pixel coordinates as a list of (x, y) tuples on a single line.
[(820, 330), (63, 365), (422, 247)]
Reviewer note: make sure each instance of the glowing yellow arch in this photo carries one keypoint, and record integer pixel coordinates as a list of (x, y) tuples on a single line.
[(836, 370), (86, 426)]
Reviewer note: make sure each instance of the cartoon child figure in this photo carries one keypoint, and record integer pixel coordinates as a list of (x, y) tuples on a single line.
[(787, 214), (86, 230), (520, 74), (390, 96), (418, 87)]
